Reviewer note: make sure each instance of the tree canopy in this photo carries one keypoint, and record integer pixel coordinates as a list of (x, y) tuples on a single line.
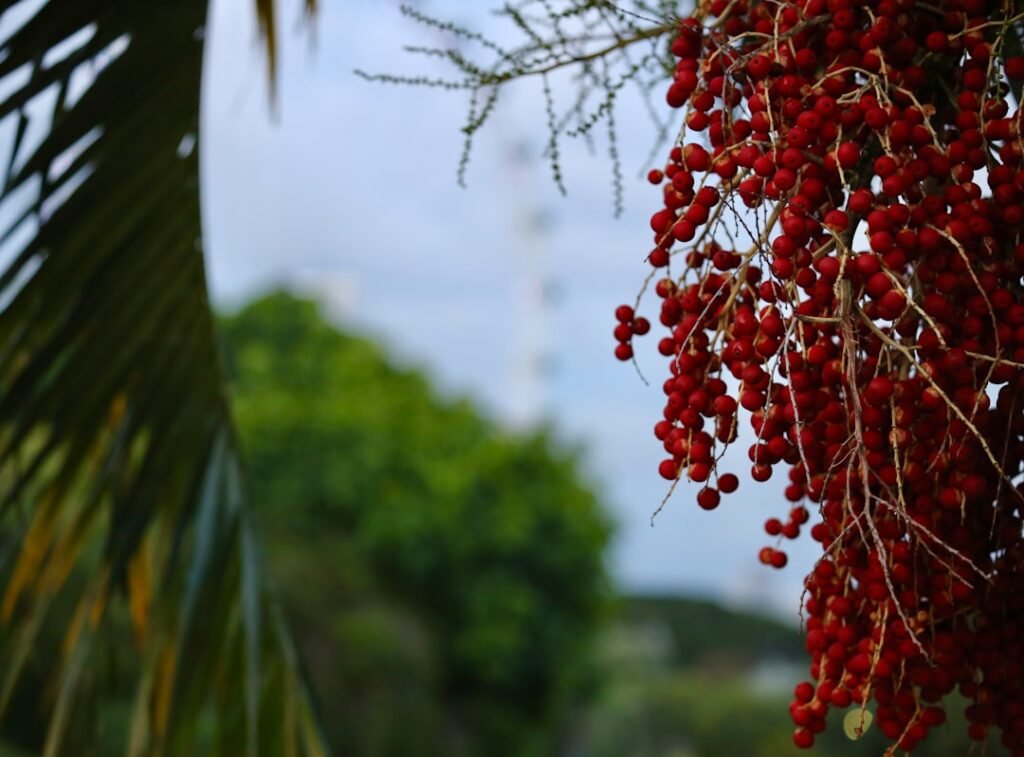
[(445, 576)]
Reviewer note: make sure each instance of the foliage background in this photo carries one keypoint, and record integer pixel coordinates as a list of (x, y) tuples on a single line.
[(445, 577)]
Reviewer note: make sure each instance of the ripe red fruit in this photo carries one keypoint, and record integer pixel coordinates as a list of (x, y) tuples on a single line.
[(876, 118), (759, 66), (696, 157), (825, 106), (682, 181), (876, 364), (724, 405), (803, 738), (885, 165), (662, 221), (683, 231), (848, 154), (707, 196), (699, 472), (659, 258), (677, 95), (936, 42), (878, 285), (829, 268), (804, 692), (861, 201), (764, 166), (892, 303), (785, 179), (1015, 67), (728, 483), (708, 498), (879, 390), (669, 469), (751, 400), (726, 167)]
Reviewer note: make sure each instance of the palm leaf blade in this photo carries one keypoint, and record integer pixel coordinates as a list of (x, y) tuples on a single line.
[(119, 473)]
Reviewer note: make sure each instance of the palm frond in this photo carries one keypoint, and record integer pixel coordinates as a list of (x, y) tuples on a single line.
[(120, 493)]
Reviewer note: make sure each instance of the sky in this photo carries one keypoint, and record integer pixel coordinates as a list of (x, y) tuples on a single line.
[(503, 291)]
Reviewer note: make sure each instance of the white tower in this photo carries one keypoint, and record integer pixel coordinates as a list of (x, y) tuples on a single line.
[(534, 290)]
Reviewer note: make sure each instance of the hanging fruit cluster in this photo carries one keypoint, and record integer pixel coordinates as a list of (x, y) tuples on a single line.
[(839, 263)]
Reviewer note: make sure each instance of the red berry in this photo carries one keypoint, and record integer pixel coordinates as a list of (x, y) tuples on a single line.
[(728, 483), (669, 469), (879, 389), (696, 157), (759, 66), (708, 498), (1015, 67), (803, 738), (848, 154), (804, 692)]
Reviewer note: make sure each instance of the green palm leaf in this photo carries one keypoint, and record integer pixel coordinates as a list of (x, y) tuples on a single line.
[(120, 491)]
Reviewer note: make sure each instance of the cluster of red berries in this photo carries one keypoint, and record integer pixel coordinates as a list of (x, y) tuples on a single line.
[(629, 325), (841, 245)]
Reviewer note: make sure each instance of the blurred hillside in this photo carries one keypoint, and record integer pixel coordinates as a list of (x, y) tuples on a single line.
[(684, 677)]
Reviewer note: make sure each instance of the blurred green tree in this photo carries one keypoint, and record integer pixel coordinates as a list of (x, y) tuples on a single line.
[(445, 577)]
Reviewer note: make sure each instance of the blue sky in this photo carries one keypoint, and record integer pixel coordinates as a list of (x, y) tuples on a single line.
[(350, 192)]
